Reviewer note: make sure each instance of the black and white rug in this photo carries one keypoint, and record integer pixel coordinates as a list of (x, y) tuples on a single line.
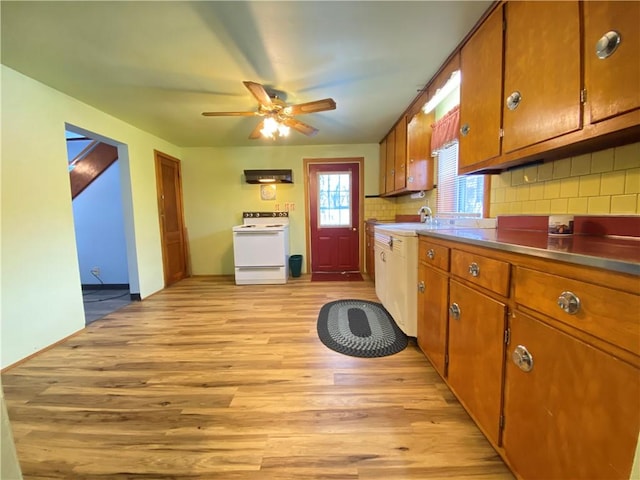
[(359, 328)]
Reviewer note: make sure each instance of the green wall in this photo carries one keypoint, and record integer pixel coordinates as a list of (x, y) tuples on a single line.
[(215, 194)]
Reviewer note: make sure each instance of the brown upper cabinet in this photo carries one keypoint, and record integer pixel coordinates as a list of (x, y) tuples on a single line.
[(541, 72), (419, 162), (543, 80), (480, 94), (383, 166), (405, 159), (611, 53), (400, 179)]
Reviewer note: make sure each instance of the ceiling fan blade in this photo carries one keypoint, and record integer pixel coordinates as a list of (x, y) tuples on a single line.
[(311, 107), (259, 92), (300, 126), (256, 131), (229, 114)]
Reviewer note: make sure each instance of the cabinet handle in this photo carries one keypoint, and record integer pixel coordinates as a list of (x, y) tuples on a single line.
[(514, 100), (431, 254), (421, 286), (454, 310), (522, 358), (608, 44), (383, 257), (569, 302), (464, 130), (474, 269)]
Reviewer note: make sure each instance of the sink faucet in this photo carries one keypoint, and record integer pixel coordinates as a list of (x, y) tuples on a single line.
[(425, 214)]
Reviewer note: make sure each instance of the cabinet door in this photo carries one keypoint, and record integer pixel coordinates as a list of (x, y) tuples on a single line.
[(481, 93), (400, 181), (542, 65), (612, 83), (574, 414), (390, 162), (383, 166), (432, 316), (381, 273), (419, 161), (476, 354)]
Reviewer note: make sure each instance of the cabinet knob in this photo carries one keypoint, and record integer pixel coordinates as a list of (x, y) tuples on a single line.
[(431, 254), (569, 302), (522, 358), (454, 310), (608, 44), (514, 100), (464, 130), (474, 269), (421, 286)]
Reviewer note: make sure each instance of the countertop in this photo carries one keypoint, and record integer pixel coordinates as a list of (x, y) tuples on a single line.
[(621, 254)]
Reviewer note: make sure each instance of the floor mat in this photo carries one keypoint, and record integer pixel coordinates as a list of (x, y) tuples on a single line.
[(359, 328), (336, 277)]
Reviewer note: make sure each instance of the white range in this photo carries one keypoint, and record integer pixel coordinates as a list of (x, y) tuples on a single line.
[(261, 248), (396, 265)]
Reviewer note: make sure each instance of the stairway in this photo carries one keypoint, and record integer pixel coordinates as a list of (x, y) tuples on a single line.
[(89, 165)]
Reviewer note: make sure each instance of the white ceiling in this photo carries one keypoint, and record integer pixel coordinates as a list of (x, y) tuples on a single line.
[(159, 65)]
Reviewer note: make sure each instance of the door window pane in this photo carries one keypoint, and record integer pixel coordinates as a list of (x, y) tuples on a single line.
[(334, 199)]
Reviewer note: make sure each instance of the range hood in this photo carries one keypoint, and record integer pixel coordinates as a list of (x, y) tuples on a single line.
[(268, 176)]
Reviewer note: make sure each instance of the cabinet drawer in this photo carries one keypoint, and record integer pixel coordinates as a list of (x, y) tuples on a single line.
[(608, 314), (434, 255), (486, 272)]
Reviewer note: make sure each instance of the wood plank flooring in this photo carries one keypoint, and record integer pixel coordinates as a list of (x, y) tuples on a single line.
[(209, 380)]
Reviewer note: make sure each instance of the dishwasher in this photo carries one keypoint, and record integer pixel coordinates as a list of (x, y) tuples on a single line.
[(396, 267)]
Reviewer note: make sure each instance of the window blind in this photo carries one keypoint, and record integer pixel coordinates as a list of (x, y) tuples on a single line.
[(457, 194)]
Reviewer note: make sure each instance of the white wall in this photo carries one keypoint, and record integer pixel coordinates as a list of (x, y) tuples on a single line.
[(99, 228), (215, 194), (40, 283)]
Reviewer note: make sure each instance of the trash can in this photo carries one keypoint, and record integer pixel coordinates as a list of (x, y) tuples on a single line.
[(295, 265)]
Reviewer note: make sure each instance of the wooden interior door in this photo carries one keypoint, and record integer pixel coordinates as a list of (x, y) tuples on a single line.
[(174, 251), (334, 216)]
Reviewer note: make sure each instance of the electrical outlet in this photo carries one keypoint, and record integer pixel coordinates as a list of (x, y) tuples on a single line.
[(95, 271)]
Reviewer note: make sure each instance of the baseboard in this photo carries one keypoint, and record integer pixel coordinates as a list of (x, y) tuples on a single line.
[(105, 286), (136, 297)]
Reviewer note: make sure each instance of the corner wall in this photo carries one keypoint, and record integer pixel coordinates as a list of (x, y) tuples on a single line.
[(40, 281)]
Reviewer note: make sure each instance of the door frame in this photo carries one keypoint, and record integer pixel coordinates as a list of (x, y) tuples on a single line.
[(307, 207), (158, 156)]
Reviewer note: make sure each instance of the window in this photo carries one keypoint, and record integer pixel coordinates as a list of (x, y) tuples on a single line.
[(457, 194), (334, 200)]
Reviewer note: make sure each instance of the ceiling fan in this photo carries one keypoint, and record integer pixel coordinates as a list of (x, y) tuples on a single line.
[(278, 116)]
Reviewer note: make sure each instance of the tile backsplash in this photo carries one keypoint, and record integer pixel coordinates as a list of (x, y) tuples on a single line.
[(598, 183), (603, 182)]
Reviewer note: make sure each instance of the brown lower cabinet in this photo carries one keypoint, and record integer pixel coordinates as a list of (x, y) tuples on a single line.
[(574, 414), (476, 350), (544, 355)]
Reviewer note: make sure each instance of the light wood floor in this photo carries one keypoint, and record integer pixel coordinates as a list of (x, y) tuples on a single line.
[(210, 380)]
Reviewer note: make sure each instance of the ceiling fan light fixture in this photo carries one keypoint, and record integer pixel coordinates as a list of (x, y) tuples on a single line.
[(272, 128)]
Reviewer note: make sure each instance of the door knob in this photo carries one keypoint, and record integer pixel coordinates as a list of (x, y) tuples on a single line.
[(522, 358), (607, 44), (514, 100), (454, 310), (569, 302)]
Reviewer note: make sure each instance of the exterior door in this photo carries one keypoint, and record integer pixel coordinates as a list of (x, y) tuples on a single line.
[(334, 216), (174, 257)]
